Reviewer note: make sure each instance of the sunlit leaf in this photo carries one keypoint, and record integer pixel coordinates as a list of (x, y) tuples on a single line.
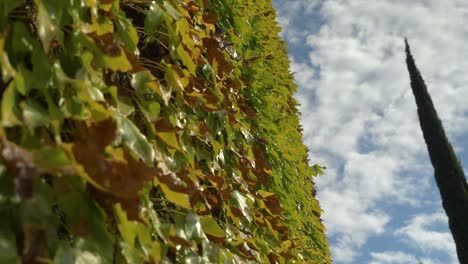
[(128, 34), (180, 199), (119, 63), (211, 227), (33, 114), (170, 138), (154, 18), (10, 111), (135, 140), (46, 28), (7, 69), (172, 11)]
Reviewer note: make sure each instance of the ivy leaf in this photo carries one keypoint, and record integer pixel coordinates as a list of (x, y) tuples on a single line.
[(135, 140), (128, 232), (212, 229), (175, 78), (10, 112), (180, 199), (140, 79), (50, 158), (46, 29), (7, 69), (49, 21), (118, 63), (174, 13), (186, 58), (154, 18), (154, 109), (128, 34), (242, 204), (122, 179), (34, 115), (86, 220), (170, 138), (193, 228), (7, 246)]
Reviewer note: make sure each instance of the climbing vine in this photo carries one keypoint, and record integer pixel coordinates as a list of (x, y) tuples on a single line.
[(138, 131)]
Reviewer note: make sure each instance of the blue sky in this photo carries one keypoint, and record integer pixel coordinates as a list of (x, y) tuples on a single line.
[(380, 201)]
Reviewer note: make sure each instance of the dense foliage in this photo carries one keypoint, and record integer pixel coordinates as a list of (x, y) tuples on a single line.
[(448, 171), (140, 131)]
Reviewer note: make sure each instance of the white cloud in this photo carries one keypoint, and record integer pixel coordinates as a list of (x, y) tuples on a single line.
[(397, 257), (358, 112), (289, 10), (419, 232)]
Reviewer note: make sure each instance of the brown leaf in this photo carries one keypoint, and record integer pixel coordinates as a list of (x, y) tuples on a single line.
[(210, 18), (236, 212), (123, 180), (107, 43), (273, 204), (164, 125), (213, 53), (216, 181), (193, 8), (179, 241)]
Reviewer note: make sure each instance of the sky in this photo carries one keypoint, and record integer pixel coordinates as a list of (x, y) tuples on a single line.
[(379, 197)]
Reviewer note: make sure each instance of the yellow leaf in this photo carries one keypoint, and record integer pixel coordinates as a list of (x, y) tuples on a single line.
[(211, 227), (180, 199), (119, 63), (265, 194), (170, 138), (7, 70)]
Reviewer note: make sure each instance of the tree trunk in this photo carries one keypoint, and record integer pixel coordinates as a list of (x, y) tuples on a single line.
[(448, 172)]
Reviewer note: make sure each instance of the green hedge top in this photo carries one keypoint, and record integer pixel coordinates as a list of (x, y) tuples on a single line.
[(151, 131)]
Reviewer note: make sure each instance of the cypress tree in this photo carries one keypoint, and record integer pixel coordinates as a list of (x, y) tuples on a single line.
[(448, 172)]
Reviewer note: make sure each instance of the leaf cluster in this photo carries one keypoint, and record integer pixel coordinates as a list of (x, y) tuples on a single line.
[(138, 131)]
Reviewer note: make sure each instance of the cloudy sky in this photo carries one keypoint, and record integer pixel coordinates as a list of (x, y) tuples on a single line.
[(359, 117)]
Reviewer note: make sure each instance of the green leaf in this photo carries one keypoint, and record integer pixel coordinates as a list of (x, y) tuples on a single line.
[(180, 199), (128, 34), (193, 228), (127, 228), (118, 63), (34, 115), (186, 58), (10, 112), (51, 158), (46, 28), (8, 247), (20, 84), (174, 13), (140, 79), (85, 215), (125, 106), (6, 68), (170, 138), (174, 79), (135, 140), (211, 227), (154, 108), (154, 18), (242, 204)]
